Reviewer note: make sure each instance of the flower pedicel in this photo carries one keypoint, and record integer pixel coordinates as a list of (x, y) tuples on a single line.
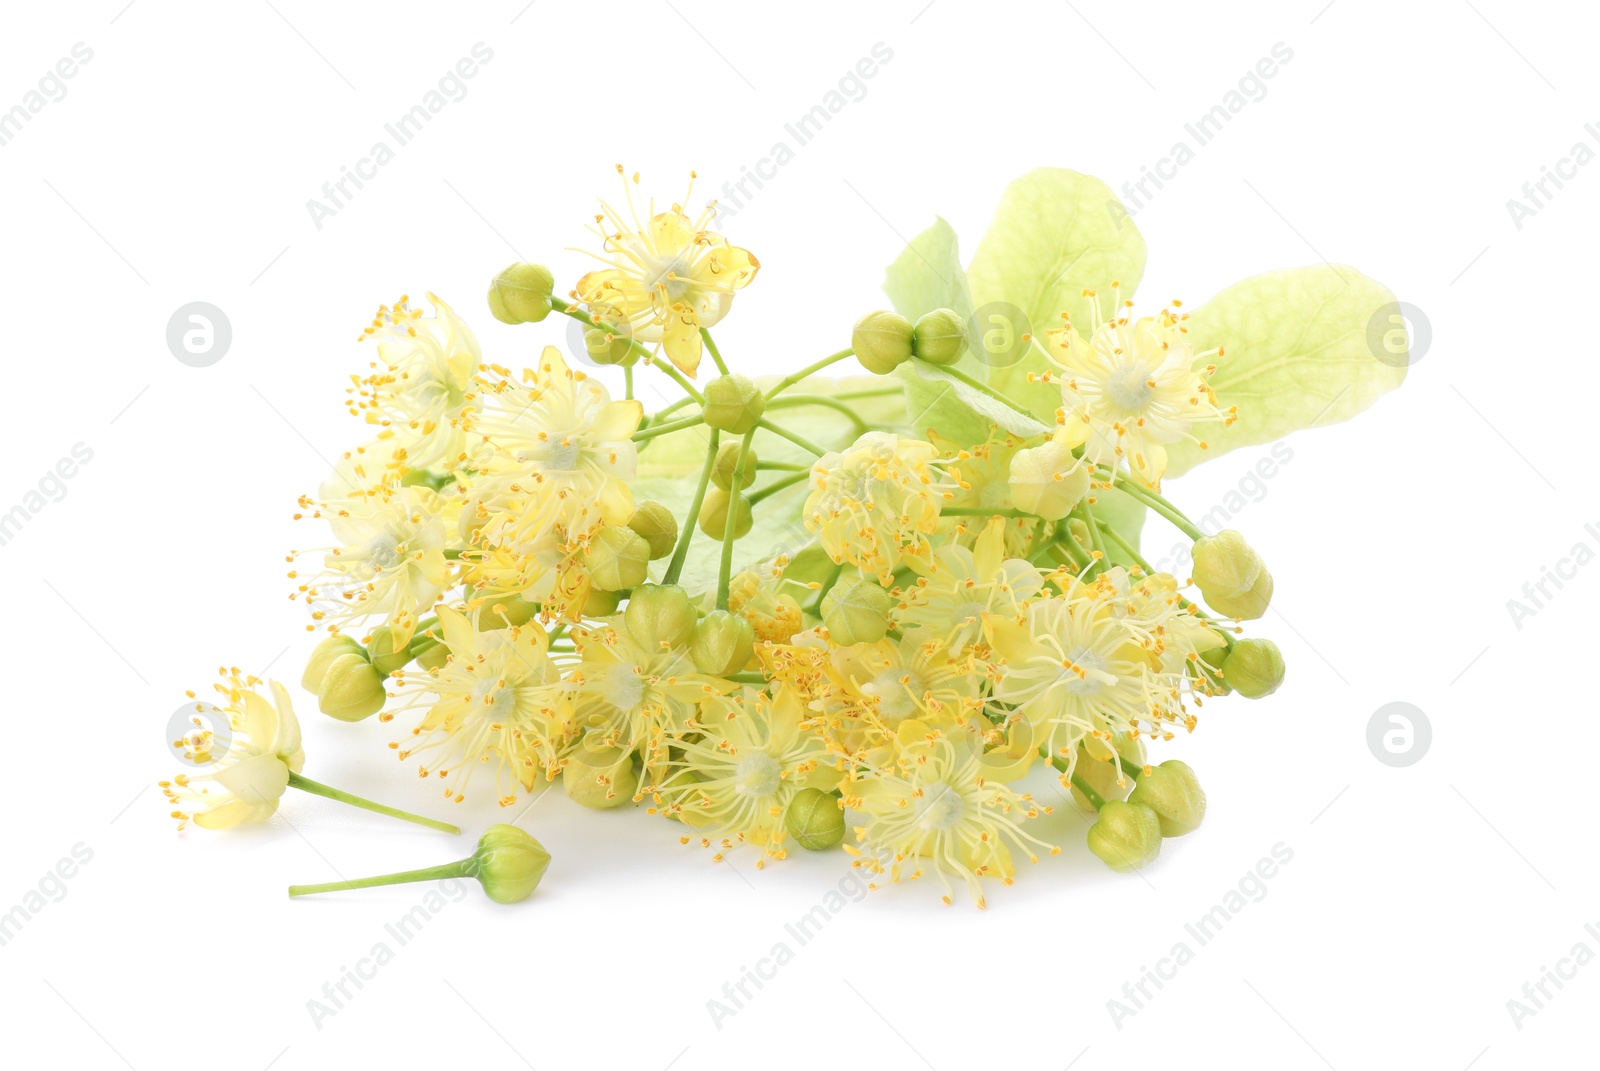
[(912, 591)]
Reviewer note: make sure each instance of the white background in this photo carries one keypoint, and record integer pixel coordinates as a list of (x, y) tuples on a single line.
[(178, 167)]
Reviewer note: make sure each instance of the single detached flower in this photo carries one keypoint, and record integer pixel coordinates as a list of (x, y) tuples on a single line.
[(669, 276), (509, 863)]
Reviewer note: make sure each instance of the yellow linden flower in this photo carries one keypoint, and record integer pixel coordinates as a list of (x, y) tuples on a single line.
[(734, 777), (875, 504), (496, 700), (983, 474), (668, 277), (964, 590), (935, 803), (869, 690), (1130, 388), (1105, 657), (421, 382), (246, 783), (757, 596), (633, 697), (553, 452), (391, 562), (547, 570)]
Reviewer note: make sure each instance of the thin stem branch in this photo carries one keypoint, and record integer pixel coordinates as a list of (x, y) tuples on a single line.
[(785, 433), (809, 370), (711, 348), (317, 788), (681, 551), (730, 524)]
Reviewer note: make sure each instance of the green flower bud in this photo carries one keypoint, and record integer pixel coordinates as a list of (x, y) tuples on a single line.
[(506, 611), (601, 603), (351, 689), (1126, 836), (657, 525), (434, 657), (521, 294), (1248, 605), (660, 614), (714, 514), (728, 460), (509, 863), (600, 779), (329, 649), (939, 337), (1173, 792), (814, 819), (1253, 668), (616, 558), (881, 341), (723, 643), (1224, 565), (604, 347), (856, 610), (381, 653), (733, 403)]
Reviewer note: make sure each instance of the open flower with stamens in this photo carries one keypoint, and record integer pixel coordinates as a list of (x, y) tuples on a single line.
[(245, 783), (868, 690), (965, 589), (392, 562), (934, 806), (669, 275), (875, 504), (1130, 388), (635, 697), (552, 452), (421, 382), (732, 779), (1105, 657), (497, 700)]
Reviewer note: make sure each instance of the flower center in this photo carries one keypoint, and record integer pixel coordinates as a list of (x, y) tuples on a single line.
[(897, 691), (758, 774), (1095, 672), (625, 687), (1129, 388), (941, 808)]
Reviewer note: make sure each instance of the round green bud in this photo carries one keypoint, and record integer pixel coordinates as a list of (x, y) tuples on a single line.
[(733, 403), (521, 294), (657, 525), (506, 611), (329, 649), (814, 819), (1248, 605), (616, 558), (1224, 565), (1126, 836), (856, 610), (939, 337), (434, 657), (1253, 668), (660, 614), (723, 643), (604, 347), (600, 779), (1173, 792), (881, 341), (351, 689), (381, 653), (722, 470), (509, 863), (601, 603), (714, 514)]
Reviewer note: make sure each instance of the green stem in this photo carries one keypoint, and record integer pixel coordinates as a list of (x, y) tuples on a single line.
[(681, 551), (711, 348), (794, 400), (649, 358), (745, 678), (982, 511), (1134, 490), (1095, 799), (979, 385), (809, 370), (317, 788), (781, 466), (782, 432), (778, 485), (730, 525), (627, 383), (815, 609), (459, 869), (668, 428), (868, 392)]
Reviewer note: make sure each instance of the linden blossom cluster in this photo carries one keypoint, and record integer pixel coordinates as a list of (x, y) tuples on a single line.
[(510, 580)]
